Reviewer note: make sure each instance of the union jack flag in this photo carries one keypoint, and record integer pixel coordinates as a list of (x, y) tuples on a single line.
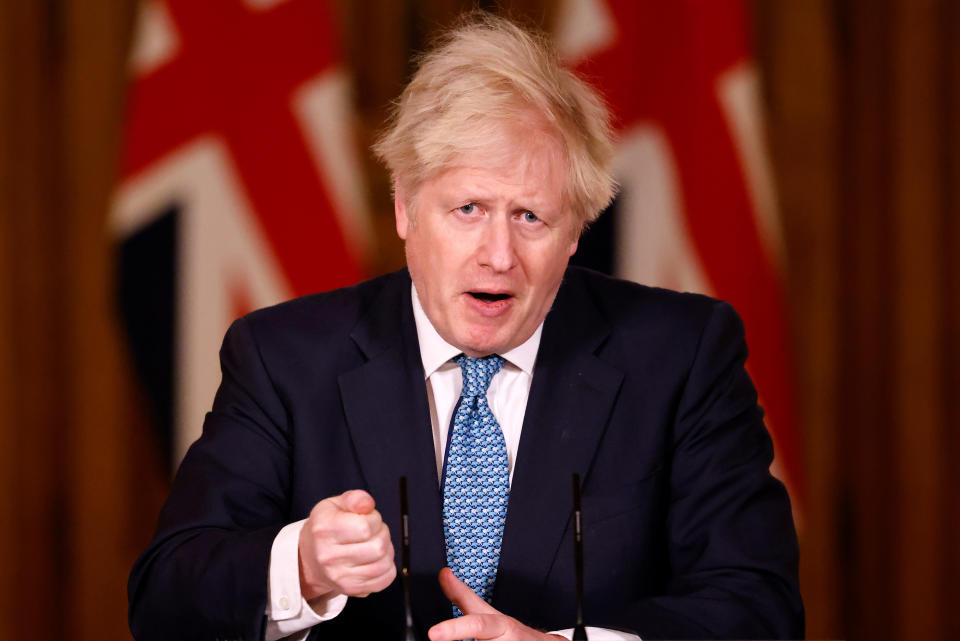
[(697, 211), (240, 183)]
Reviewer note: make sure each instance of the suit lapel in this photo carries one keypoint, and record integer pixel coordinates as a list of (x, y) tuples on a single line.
[(385, 404), (569, 405)]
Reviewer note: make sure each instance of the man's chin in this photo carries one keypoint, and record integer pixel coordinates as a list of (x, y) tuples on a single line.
[(477, 346), (479, 351), (482, 343)]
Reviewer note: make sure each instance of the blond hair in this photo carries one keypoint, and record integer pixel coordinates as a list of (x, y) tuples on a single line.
[(480, 74)]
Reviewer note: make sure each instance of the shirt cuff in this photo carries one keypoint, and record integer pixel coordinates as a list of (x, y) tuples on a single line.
[(600, 634), (288, 613)]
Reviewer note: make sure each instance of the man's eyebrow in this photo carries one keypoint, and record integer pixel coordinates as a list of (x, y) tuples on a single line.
[(456, 196)]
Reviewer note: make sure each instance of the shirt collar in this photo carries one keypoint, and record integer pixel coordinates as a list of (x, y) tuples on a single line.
[(435, 352)]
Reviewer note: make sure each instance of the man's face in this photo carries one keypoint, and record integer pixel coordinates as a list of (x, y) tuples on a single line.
[(489, 240)]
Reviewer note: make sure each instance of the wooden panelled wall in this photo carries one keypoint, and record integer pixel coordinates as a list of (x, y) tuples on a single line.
[(863, 104), (862, 97)]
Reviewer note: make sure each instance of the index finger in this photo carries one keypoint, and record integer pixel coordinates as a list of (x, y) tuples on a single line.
[(357, 528)]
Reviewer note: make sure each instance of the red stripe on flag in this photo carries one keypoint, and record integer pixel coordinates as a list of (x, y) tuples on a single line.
[(234, 77), (664, 67)]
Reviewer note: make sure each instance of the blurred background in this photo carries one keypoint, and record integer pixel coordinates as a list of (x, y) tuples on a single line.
[(168, 165)]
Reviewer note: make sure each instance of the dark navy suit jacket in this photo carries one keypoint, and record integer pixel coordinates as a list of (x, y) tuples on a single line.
[(641, 391)]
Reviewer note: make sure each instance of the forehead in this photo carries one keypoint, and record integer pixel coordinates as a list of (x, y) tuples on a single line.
[(517, 159)]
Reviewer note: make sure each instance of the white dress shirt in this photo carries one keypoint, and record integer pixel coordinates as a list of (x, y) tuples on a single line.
[(288, 613)]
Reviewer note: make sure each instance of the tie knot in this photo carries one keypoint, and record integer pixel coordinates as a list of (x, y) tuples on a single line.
[(477, 373)]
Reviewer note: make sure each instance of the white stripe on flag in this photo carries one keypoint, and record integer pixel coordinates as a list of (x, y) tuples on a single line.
[(653, 243), (738, 91), (221, 252), (155, 40), (324, 113)]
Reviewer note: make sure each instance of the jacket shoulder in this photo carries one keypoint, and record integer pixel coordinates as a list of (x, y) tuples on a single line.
[(630, 306), (324, 314)]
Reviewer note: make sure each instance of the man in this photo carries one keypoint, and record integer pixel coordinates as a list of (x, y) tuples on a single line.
[(487, 373)]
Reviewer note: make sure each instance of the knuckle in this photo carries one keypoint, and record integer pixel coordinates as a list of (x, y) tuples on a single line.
[(365, 530), (357, 588), (325, 556), (381, 571), (337, 572), (344, 528), (390, 575), (390, 569), (371, 572), (339, 577), (319, 525), (321, 511)]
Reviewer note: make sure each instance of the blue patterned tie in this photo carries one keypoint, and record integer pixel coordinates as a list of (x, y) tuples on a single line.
[(476, 481)]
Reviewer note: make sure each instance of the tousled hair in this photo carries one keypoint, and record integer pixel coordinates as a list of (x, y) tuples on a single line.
[(485, 72)]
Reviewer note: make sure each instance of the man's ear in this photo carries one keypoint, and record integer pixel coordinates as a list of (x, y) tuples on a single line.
[(400, 211), (575, 242)]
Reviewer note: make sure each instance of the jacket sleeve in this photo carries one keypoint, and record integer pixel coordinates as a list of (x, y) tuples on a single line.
[(732, 544), (204, 574)]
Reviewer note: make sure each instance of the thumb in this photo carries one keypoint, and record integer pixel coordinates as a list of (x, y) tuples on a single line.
[(356, 501), (461, 595)]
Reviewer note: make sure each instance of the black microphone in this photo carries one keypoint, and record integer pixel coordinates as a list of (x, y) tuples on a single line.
[(579, 630), (409, 632)]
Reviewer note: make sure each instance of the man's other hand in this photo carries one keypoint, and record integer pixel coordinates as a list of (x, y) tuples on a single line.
[(345, 548), (480, 620)]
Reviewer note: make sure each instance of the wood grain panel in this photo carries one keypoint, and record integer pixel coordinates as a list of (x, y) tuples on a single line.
[(8, 455), (796, 53), (918, 289), (948, 32), (378, 45), (865, 388), (101, 474), (36, 566)]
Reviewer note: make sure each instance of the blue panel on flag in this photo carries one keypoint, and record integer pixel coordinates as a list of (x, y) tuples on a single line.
[(596, 247), (146, 294)]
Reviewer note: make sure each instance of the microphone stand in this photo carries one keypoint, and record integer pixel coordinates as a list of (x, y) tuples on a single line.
[(579, 630), (410, 631)]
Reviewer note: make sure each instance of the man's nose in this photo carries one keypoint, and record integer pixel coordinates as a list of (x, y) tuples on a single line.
[(497, 250)]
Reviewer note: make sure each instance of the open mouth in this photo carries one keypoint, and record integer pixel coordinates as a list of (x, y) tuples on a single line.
[(487, 297)]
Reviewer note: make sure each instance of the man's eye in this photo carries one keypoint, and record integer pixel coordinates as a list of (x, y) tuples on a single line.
[(469, 208), (529, 217)]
